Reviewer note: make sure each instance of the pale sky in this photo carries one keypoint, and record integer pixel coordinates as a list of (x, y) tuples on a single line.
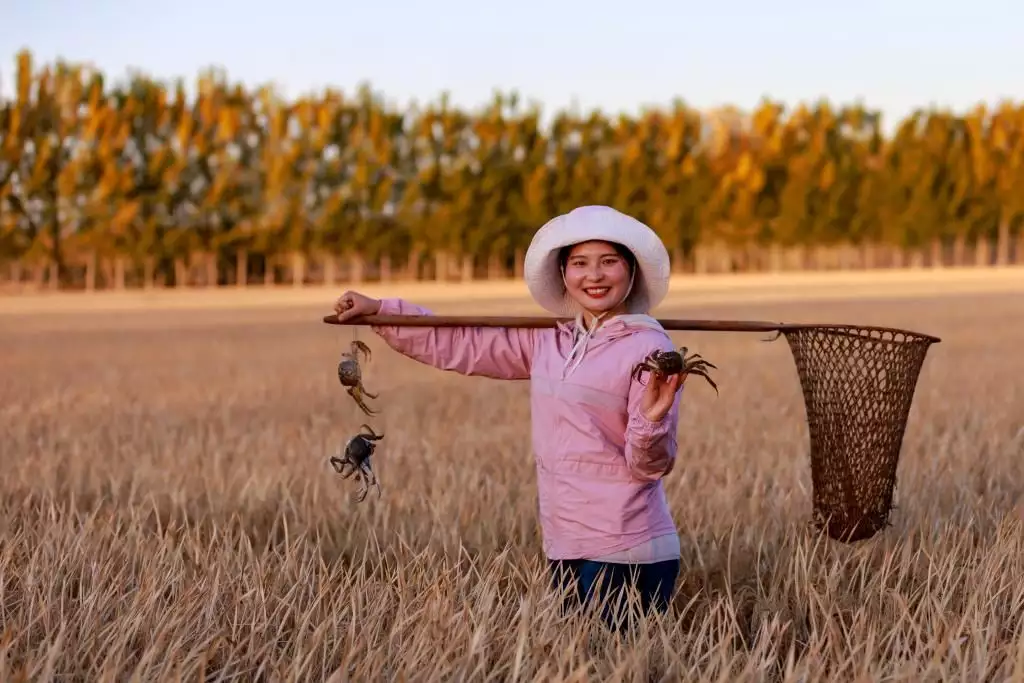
[(894, 55)]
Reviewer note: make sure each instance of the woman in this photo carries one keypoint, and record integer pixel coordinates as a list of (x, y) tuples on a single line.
[(602, 441)]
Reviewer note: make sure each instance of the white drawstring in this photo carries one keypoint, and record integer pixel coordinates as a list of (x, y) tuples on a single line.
[(573, 360)]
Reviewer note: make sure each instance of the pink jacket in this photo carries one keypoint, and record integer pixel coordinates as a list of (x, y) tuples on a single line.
[(599, 461)]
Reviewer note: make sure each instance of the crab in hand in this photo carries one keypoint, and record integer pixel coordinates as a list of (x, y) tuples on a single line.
[(357, 457), (667, 363), (351, 375)]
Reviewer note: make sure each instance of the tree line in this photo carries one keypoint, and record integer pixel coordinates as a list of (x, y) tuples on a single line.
[(134, 184)]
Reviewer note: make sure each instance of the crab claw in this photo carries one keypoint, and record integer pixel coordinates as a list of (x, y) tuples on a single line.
[(369, 434), (340, 464)]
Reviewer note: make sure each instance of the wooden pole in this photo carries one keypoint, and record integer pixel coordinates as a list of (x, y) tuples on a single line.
[(540, 322), (548, 321)]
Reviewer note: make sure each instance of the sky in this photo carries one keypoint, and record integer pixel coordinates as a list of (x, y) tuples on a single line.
[(618, 57)]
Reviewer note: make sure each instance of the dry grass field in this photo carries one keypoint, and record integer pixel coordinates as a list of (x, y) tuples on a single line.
[(169, 512)]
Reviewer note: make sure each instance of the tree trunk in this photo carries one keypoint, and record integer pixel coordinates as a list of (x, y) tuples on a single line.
[(268, 270), (678, 259), (148, 272), (749, 258), (847, 257), (726, 260), (212, 275), (937, 258), (412, 264), (867, 256), (1003, 241), (495, 270), (700, 260), (330, 270), (959, 255), (357, 268), (242, 267), (298, 268), (440, 266), (90, 271), (1018, 257), (386, 270), (723, 256), (180, 273), (466, 268), (454, 267), (38, 275), (120, 266), (815, 259), (981, 256), (518, 260)]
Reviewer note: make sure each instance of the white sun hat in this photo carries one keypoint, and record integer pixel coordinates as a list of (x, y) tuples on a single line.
[(544, 277)]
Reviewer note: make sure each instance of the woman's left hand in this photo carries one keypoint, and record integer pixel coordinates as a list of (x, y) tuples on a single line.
[(659, 395)]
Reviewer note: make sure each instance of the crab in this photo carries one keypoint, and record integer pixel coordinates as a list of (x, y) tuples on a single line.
[(674, 363), (351, 376), (356, 456)]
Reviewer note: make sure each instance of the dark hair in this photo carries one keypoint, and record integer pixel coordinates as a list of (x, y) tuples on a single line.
[(626, 254)]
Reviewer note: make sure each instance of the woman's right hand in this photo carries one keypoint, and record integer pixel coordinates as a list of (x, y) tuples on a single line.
[(353, 304)]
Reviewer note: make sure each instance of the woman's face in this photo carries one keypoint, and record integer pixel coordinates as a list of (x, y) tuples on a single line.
[(597, 277)]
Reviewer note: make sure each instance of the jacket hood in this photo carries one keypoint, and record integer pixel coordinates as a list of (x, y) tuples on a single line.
[(582, 338)]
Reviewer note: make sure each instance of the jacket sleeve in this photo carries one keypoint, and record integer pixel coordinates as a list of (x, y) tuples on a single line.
[(651, 446), (498, 353)]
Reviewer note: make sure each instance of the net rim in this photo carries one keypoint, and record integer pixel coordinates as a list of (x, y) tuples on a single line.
[(867, 332)]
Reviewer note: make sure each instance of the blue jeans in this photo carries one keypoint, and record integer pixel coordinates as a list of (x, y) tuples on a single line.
[(587, 580)]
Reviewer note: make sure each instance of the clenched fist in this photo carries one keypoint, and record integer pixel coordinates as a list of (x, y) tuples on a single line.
[(353, 304)]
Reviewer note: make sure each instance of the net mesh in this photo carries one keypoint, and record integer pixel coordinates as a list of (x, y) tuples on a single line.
[(858, 384)]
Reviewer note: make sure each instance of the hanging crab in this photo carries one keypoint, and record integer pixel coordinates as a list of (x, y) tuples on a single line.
[(356, 456), (351, 375), (674, 363)]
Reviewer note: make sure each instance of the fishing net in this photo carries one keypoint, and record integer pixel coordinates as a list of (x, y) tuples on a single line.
[(858, 384)]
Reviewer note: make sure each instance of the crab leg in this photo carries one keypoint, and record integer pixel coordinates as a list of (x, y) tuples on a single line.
[(699, 366), (363, 488), (701, 373), (357, 396), (371, 476)]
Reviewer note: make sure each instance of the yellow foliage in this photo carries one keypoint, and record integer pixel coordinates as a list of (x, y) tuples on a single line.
[(502, 169), (744, 167), (828, 175), (124, 215)]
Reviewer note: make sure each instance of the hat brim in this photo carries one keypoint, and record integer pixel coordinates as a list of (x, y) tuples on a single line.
[(586, 223)]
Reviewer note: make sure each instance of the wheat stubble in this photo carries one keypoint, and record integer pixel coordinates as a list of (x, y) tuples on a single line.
[(169, 513)]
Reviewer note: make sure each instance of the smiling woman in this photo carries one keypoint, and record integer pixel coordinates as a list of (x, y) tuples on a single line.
[(602, 442)]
